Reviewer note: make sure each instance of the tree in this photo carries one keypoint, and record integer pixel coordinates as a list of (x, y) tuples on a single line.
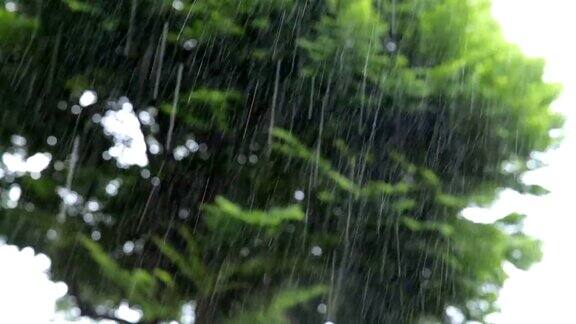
[(299, 153)]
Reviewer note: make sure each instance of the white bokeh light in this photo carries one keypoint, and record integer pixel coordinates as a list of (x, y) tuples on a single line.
[(27, 294), (129, 144), (88, 98), (18, 163)]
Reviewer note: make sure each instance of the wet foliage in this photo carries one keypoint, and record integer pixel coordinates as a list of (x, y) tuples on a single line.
[(268, 161)]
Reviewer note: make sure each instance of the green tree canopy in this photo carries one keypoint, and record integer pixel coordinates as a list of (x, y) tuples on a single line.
[(298, 153)]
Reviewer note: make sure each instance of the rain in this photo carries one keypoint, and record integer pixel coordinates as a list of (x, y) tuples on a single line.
[(284, 161)]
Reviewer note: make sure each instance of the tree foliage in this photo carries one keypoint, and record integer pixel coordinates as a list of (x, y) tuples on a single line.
[(299, 152)]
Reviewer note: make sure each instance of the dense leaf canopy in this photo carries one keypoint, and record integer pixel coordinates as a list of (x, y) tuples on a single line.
[(299, 153)]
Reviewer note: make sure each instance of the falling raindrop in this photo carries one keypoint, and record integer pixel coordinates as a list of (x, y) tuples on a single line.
[(241, 158), (145, 117), (128, 247), (88, 218), (391, 46), (180, 152), (29, 207), (145, 173), (112, 187), (183, 213), (153, 145), (51, 140), (106, 155), (14, 192), (127, 106), (38, 162), (76, 110), (51, 234), (11, 6), (96, 118), (68, 196), (62, 105), (190, 44), (426, 273), (155, 181), (92, 205), (18, 140), (59, 165), (96, 235), (192, 145), (299, 195), (177, 5)]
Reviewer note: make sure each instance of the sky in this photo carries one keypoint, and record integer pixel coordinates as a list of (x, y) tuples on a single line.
[(542, 28), (545, 294)]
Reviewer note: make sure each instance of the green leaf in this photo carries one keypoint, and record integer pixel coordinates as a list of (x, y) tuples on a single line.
[(192, 267), (275, 310), (271, 218)]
